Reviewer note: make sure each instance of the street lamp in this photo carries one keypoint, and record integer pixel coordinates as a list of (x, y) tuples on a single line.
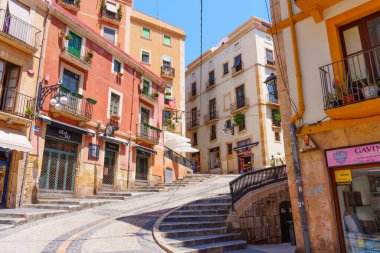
[(271, 83), (57, 102)]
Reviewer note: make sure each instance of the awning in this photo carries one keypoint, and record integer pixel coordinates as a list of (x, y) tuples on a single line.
[(147, 150), (114, 140), (250, 145), (14, 140), (186, 150), (60, 124)]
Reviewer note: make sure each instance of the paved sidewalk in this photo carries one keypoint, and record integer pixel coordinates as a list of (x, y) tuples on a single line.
[(268, 248)]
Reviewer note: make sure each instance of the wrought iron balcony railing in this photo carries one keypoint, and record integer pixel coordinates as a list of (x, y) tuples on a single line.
[(15, 28), (191, 94), (354, 79), (70, 4), (110, 16), (211, 116), (239, 104), (16, 103), (82, 57), (151, 95), (170, 154), (78, 107), (210, 83), (255, 180), (236, 69), (148, 132), (167, 71), (192, 123)]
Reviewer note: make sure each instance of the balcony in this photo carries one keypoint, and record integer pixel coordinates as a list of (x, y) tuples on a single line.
[(276, 123), (212, 116), (192, 94), (192, 123), (17, 104), (82, 58), (78, 107), (272, 99), (167, 72), (239, 105), (351, 87), (109, 16), (149, 96), (148, 134), (235, 70), (18, 33), (73, 5), (210, 84)]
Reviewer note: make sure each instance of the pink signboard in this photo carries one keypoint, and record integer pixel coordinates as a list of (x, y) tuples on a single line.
[(353, 155)]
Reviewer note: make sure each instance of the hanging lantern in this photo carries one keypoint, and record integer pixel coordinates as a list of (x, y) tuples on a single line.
[(53, 102)]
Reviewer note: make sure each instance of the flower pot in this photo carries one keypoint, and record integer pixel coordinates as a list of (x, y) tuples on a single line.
[(369, 91), (348, 99)]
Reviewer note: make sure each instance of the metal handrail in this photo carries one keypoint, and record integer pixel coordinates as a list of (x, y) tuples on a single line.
[(211, 116), (167, 71), (75, 4), (175, 157), (240, 103), (110, 15), (352, 80), (254, 180), (148, 133), (19, 29)]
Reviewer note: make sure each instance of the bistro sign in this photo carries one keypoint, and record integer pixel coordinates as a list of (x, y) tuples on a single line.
[(63, 134), (353, 155)]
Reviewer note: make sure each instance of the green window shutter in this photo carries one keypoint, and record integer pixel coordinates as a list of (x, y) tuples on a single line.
[(167, 40), (116, 66), (75, 45), (146, 33)]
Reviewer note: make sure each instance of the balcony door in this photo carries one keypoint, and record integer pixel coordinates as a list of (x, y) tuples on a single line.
[(361, 47), (240, 97), (70, 81), (144, 119), (194, 117), (212, 108)]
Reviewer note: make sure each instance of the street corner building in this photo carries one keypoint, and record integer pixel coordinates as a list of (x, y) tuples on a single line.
[(232, 103), (79, 114), (329, 57)]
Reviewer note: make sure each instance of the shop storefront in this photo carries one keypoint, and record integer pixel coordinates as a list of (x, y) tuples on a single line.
[(5, 160), (143, 162), (355, 175), (111, 151), (245, 156), (214, 160)]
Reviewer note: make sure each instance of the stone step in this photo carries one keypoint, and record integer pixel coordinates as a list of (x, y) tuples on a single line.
[(201, 212), (214, 247), (5, 227), (197, 217), (191, 224), (70, 208), (206, 206), (12, 221), (215, 200), (148, 190), (202, 239), (84, 203), (107, 197), (31, 214), (112, 193), (175, 233)]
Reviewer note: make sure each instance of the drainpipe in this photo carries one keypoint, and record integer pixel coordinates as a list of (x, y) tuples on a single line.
[(130, 128), (301, 105), (39, 80)]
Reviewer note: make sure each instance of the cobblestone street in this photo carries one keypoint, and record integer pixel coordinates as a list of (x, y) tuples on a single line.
[(121, 227)]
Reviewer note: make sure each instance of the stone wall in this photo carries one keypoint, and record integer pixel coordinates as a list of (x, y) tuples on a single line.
[(258, 214)]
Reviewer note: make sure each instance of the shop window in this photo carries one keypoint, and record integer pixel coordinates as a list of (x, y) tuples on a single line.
[(214, 156), (359, 201)]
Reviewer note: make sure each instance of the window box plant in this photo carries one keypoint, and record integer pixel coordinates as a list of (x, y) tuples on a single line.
[(29, 113), (238, 119), (77, 95), (276, 115), (155, 94), (89, 56), (369, 90), (119, 13), (91, 101)]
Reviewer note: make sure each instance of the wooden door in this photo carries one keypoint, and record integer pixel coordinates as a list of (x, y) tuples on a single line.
[(10, 91)]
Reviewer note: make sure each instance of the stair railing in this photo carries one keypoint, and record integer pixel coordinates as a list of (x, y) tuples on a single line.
[(254, 180)]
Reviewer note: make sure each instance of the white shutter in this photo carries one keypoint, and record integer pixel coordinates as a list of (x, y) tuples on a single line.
[(19, 10), (111, 7)]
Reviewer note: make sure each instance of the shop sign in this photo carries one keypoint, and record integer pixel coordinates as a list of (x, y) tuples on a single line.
[(63, 134), (214, 149), (353, 155), (112, 147), (93, 151), (343, 176), (244, 153)]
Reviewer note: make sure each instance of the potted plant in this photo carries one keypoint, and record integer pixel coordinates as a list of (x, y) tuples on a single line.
[(119, 13), (368, 90), (89, 56), (156, 94), (276, 116), (29, 112), (68, 37), (103, 5), (238, 119), (331, 100), (168, 93), (343, 92)]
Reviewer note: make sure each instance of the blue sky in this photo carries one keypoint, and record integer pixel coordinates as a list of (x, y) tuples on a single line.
[(220, 17)]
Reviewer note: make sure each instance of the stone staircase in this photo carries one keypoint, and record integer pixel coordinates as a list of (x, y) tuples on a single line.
[(198, 227), (69, 204), (187, 180)]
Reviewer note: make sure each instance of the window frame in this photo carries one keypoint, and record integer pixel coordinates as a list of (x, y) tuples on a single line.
[(113, 65), (230, 150), (142, 51), (170, 40), (111, 28), (268, 62), (213, 130), (84, 40), (74, 70), (223, 69), (142, 33), (110, 91)]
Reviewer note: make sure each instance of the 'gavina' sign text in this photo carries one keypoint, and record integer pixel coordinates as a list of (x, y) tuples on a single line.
[(353, 155)]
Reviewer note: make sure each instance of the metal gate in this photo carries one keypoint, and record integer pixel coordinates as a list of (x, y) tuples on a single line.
[(142, 166), (109, 167), (58, 166)]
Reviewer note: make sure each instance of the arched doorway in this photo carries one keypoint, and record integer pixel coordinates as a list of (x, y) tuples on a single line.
[(286, 220)]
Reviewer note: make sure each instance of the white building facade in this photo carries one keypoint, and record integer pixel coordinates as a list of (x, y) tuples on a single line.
[(232, 115)]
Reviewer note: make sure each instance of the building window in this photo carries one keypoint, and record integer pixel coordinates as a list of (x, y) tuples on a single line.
[(193, 89), (111, 9), (212, 108), (75, 45), (225, 68), (268, 39), (269, 56), (242, 126), (195, 139), (230, 127), (145, 57), (109, 34), (167, 40), (240, 97), (211, 78), (214, 155), (70, 80), (229, 148), (276, 118), (116, 66), (115, 104), (167, 115), (277, 137), (145, 89), (238, 65), (146, 33), (213, 132), (194, 117)]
